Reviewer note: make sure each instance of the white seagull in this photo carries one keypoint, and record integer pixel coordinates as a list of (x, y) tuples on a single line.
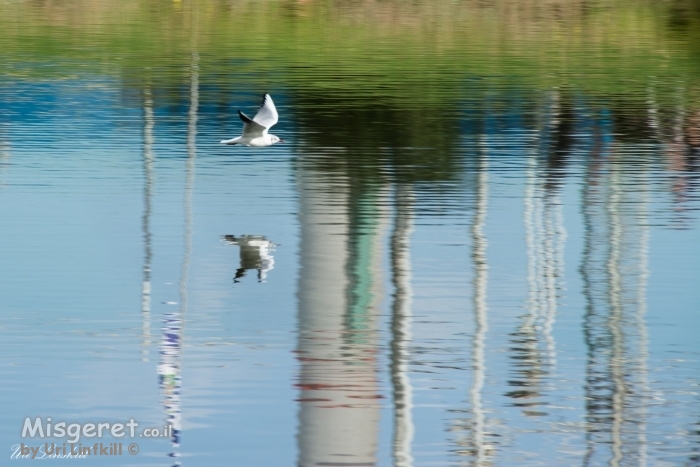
[(255, 129)]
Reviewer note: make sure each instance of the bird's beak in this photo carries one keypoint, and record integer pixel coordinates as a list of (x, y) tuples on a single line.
[(281, 141)]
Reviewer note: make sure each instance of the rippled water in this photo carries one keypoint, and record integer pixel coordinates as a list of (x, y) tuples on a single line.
[(479, 244)]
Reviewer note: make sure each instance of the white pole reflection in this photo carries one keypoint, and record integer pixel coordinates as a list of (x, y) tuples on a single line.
[(148, 125), (596, 335), (401, 327), (170, 367), (627, 272), (615, 275), (554, 248), (480, 448), (530, 198), (189, 181), (525, 342), (653, 118), (545, 238), (643, 349), (615, 322), (338, 318), (5, 148), (550, 246)]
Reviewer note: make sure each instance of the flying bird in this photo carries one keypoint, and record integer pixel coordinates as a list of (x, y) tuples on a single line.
[(255, 129)]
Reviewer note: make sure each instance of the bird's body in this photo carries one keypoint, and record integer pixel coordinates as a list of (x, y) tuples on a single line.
[(255, 129), (258, 142)]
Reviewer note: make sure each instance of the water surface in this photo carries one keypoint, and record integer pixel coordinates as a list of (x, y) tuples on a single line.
[(479, 245)]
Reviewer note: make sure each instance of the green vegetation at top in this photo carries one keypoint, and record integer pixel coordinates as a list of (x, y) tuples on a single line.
[(385, 49)]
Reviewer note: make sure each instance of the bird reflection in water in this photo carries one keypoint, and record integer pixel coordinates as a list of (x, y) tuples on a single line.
[(256, 253)]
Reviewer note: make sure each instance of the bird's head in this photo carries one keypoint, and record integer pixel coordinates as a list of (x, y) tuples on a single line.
[(276, 139)]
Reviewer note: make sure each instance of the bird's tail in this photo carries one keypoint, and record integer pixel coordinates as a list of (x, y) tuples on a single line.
[(231, 141)]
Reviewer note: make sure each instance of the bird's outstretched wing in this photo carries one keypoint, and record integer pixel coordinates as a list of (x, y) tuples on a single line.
[(267, 115), (263, 120), (251, 128)]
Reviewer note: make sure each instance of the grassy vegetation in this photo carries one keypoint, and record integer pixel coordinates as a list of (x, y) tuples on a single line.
[(377, 49)]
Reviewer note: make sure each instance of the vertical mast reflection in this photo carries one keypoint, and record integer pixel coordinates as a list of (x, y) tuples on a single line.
[(338, 319), (401, 326), (614, 271), (4, 150), (615, 321), (479, 447), (533, 342), (524, 340), (640, 316), (148, 124), (170, 366)]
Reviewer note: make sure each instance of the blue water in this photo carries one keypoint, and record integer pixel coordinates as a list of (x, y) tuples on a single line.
[(520, 291)]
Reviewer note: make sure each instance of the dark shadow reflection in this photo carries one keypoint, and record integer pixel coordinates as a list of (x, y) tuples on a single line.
[(683, 22), (370, 140), (694, 457)]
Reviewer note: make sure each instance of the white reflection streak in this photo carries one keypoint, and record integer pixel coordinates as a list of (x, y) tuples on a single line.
[(401, 327), (553, 254), (653, 110), (641, 312), (149, 122), (529, 220), (4, 150), (540, 277), (545, 238), (615, 322), (170, 368), (554, 266), (480, 308), (189, 181)]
